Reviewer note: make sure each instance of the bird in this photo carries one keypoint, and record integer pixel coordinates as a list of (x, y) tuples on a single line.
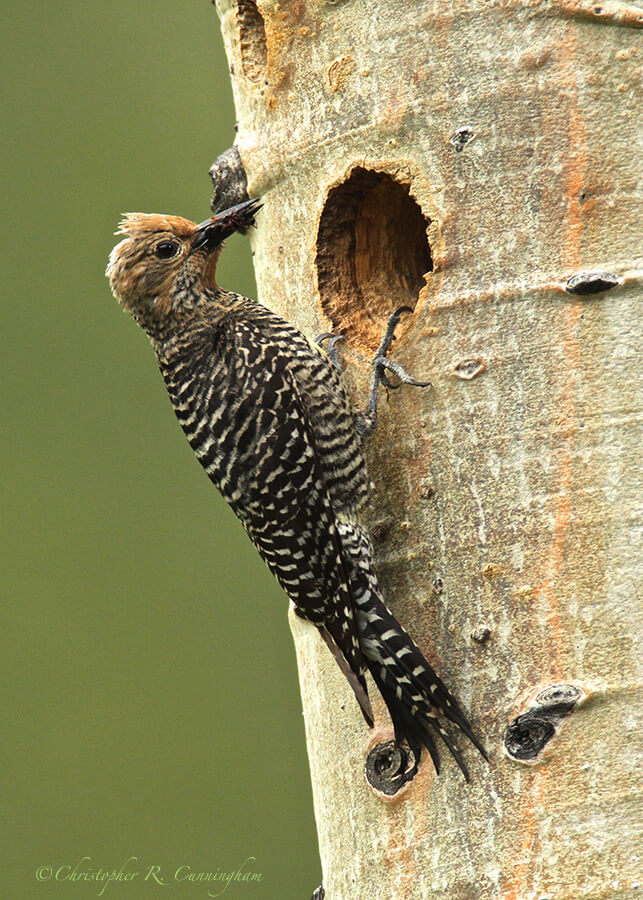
[(265, 410)]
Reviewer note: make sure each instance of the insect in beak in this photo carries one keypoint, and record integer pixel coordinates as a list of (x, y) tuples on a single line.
[(213, 231)]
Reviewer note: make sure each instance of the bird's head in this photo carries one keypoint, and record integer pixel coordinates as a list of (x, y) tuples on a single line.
[(162, 261)]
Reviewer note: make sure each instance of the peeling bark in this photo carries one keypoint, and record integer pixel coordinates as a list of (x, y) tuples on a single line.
[(478, 160)]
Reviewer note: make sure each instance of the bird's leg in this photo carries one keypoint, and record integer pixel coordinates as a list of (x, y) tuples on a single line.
[(366, 422), (331, 349)]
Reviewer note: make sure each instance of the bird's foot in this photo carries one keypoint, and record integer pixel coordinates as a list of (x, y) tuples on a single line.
[(331, 349), (366, 422)]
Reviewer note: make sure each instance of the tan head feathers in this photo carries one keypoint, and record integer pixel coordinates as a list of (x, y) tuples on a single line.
[(136, 224)]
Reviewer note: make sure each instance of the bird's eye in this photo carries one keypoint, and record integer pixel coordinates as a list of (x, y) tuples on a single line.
[(167, 249)]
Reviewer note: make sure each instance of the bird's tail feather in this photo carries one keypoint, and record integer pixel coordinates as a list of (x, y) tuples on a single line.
[(412, 691), (355, 679)]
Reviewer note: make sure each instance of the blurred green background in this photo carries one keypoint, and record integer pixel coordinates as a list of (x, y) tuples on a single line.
[(151, 699)]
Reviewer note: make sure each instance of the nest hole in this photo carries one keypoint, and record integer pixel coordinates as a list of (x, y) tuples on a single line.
[(252, 40), (372, 254)]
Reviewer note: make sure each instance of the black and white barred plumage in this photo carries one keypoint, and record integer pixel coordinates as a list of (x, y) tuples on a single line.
[(266, 414)]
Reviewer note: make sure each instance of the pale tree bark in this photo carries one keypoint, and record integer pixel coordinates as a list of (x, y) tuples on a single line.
[(477, 161)]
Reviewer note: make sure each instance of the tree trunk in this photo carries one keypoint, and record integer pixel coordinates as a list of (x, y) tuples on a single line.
[(477, 163)]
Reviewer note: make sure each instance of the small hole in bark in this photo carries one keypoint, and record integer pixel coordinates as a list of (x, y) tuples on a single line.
[(252, 40), (529, 732), (427, 491), (468, 369), (372, 254), (558, 700), (527, 735), (389, 766), (585, 283), (380, 531), (461, 137), (481, 634)]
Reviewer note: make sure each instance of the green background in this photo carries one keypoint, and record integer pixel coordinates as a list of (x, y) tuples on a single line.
[(151, 699)]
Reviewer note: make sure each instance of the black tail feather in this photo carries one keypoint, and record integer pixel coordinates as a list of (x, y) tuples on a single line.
[(356, 681), (412, 691), (406, 727), (414, 728), (437, 691)]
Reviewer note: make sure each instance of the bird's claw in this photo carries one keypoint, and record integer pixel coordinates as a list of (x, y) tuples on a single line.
[(331, 349), (389, 335), (388, 384), (383, 363), (366, 422)]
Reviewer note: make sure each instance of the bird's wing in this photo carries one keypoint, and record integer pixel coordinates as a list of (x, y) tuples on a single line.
[(281, 495)]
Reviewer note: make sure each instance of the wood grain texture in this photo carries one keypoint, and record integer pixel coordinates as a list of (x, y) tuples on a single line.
[(505, 496)]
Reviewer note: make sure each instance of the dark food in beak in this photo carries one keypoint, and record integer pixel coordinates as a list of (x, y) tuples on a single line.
[(217, 228)]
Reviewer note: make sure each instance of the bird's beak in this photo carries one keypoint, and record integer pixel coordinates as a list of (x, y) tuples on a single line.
[(217, 228)]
